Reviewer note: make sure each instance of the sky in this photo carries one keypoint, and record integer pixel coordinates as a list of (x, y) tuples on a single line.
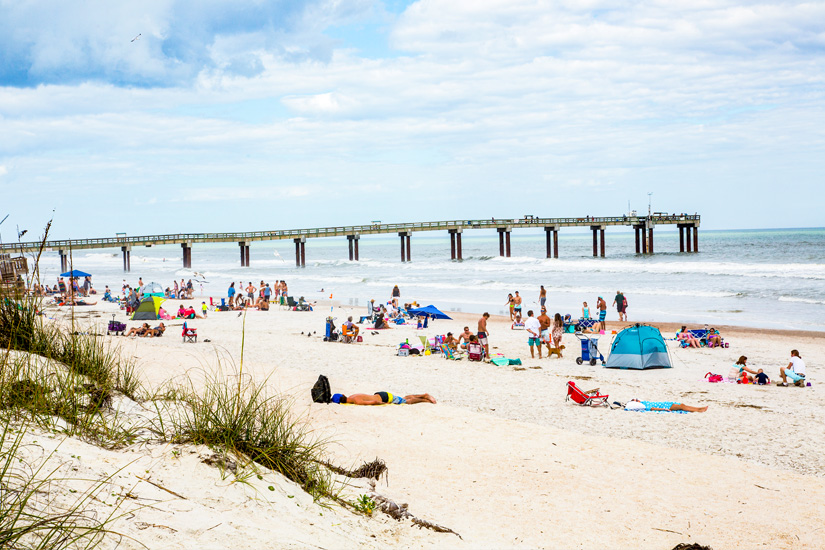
[(167, 116)]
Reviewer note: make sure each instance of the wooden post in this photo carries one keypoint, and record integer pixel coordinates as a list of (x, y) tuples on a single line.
[(187, 255), (246, 254), (650, 244), (681, 238), (303, 253), (242, 246), (507, 242), (127, 260), (638, 243), (500, 242), (601, 232), (458, 245), (351, 248), (356, 238), (595, 241), (297, 252), (689, 241), (452, 244), (64, 261), (548, 237), (556, 243), (696, 238), (409, 252), (403, 247)]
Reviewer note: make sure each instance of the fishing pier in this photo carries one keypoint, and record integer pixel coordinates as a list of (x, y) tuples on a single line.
[(688, 226)]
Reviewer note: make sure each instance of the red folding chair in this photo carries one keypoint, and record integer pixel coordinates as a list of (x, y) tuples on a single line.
[(588, 399), (189, 334)]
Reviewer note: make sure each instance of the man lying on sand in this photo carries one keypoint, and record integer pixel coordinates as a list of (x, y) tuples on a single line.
[(381, 398)]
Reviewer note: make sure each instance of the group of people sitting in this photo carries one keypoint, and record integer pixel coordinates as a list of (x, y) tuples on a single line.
[(794, 371), (711, 338), (182, 291), (145, 331)]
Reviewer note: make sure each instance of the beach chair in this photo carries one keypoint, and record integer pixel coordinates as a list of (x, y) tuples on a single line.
[(189, 334), (585, 398), (448, 353), (346, 334)]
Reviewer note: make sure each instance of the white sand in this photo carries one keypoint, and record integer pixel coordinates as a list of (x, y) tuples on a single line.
[(502, 458)]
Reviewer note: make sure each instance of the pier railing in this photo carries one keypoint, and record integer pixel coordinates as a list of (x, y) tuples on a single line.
[(367, 229)]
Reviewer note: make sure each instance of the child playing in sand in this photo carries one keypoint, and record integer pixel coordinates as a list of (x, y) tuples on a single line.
[(761, 378)]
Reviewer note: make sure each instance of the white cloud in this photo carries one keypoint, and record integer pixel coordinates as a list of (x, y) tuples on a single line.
[(3, 170), (548, 101)]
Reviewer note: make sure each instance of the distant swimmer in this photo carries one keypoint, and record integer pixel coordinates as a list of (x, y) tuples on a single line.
[(136, 38)]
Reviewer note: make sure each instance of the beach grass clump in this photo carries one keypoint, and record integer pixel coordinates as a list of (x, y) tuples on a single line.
[(243, 419), (26, 521)]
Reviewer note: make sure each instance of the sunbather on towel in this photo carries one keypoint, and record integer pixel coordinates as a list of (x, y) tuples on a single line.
[(381, 398), (670, 407)]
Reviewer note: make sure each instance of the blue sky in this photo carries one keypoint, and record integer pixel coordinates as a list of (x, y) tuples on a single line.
[(226, 116)]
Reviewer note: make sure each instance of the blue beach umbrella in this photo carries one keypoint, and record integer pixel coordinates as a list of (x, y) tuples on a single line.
[(431, 311), (75, 273)]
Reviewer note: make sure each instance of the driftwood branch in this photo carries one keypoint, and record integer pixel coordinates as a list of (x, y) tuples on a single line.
[(400, 512)]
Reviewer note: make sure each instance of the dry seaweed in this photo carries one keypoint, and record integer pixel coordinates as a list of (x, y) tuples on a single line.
[(369, 470), (400, 512)]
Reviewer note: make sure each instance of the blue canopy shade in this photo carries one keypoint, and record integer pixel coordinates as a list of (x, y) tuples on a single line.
[(75, 273), (431, 311)]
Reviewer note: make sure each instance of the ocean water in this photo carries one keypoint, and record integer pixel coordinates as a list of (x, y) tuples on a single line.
[(763, 278)]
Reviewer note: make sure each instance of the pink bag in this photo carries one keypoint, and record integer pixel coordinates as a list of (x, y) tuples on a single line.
[(714, 377)]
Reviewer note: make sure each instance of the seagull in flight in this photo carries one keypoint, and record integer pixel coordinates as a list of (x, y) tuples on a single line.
[(137, 37)]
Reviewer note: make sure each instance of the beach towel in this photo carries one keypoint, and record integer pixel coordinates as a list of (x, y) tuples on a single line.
[(649, 405)]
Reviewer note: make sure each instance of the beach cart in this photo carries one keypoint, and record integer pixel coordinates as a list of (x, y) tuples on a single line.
[(114, 326), (590, 349)]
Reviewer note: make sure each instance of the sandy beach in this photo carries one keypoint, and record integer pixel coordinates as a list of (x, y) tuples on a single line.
[(502, 459)]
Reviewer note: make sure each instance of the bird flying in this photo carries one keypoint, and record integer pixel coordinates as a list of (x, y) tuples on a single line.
[(137, 37)]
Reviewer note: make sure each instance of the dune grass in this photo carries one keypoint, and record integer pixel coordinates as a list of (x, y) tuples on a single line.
[(240, 417)]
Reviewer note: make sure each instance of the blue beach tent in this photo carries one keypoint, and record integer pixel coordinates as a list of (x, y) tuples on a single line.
[(430, 311), (638, 347)]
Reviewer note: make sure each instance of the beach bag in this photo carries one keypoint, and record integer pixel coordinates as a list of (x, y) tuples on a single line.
[(320, 391), (714, 377), (359, 339)]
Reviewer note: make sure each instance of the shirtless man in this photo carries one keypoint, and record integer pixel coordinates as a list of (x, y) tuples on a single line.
[(451, 341), (382, 398), (517, 305), (250, 292), (544, 324), (542, 297), (464, 336), (483, 332)]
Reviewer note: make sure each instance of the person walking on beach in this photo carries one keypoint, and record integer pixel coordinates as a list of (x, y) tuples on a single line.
[(621, 303), (795, 371), (483, 332), (533, 328), (517, 305), (544, 325), (542, 296), (601, 305), (512, 304)]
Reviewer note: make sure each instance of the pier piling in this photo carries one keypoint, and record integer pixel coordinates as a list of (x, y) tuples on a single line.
[(300, 252), (352, 240), (64, 261), (504, 241), (127, 258), (455, 243), (552, 240), (406, 252), (244, 254), (187, 254), (598, 232)]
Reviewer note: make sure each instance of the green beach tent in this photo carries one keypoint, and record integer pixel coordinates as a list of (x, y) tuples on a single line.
[(148, 309), (638, 347)]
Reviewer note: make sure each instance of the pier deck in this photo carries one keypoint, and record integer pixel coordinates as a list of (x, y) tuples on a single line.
[(642, 224)]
